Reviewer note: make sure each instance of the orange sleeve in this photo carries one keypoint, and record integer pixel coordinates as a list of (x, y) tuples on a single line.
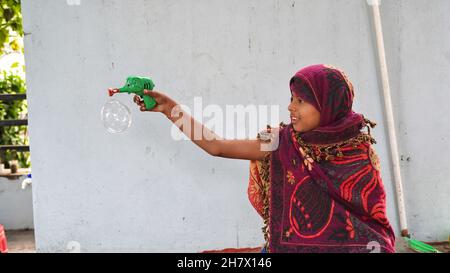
[(258, 184)]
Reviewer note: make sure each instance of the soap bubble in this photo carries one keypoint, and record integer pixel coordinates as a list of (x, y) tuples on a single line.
[(116, 117)]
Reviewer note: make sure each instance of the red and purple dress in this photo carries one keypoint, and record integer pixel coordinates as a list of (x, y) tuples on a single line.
[(321, 191)]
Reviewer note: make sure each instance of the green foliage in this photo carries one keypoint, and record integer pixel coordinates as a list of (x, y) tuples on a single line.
[(11, 33), (10, 22), (13, 135)]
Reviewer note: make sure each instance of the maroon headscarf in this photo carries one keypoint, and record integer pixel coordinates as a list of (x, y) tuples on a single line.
[(321, 190), (331, 93)]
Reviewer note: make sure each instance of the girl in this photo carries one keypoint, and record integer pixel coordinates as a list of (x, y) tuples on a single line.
[(320, 190)]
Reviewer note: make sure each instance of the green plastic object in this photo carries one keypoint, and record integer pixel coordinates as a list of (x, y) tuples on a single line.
[(137, 85), (419, 246)]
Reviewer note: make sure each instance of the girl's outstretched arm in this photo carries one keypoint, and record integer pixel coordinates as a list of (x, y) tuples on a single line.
[(201, 135)]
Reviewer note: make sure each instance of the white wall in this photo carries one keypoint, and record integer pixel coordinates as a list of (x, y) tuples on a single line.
[(141, 191), (418, 45), (16, 206)]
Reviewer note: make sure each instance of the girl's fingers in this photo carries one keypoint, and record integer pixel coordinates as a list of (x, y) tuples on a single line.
[(157, 108), (159, 98), (143, 109), (138, 101)]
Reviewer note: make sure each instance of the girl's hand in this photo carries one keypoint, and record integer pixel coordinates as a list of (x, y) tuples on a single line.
[(164, 103)]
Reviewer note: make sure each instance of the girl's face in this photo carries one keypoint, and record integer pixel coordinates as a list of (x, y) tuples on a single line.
[(304, 116)]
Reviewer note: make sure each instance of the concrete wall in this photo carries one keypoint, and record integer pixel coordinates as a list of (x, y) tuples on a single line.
[(142, 191), (16, 205), (418, 49)]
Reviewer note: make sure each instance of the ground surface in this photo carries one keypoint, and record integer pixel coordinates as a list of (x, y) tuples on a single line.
[(23, 242)]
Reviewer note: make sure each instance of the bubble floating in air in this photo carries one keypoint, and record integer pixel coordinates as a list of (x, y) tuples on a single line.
[(116, 117)]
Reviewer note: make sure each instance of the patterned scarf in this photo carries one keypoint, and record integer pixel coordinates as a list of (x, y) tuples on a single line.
[(321, 190)]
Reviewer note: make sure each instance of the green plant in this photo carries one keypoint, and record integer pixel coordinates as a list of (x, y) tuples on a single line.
[(11, 29), (11, 36), (13, 135)]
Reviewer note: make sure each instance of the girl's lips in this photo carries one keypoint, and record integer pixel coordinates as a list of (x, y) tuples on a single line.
[(294, 119)]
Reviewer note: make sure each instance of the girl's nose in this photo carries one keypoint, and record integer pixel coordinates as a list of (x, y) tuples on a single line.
[(291, 108)]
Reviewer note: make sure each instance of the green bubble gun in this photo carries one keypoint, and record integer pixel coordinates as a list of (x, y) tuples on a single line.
[(137, 85)]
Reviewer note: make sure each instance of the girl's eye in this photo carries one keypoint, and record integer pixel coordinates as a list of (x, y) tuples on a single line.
[(297, 99)]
